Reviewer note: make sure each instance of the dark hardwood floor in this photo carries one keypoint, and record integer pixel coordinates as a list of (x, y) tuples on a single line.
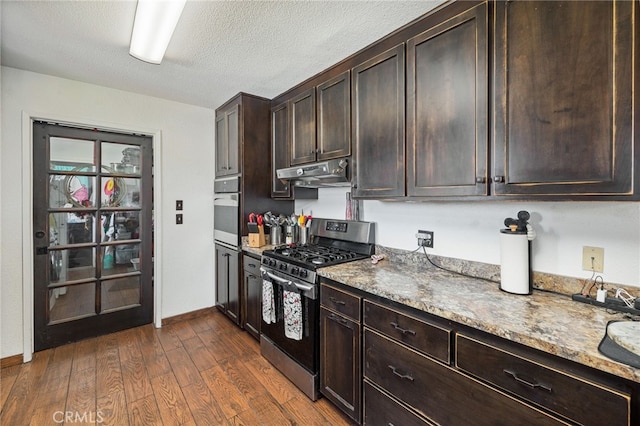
[(203, 371)]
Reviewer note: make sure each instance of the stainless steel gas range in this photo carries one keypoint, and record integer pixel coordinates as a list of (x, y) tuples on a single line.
[(291, 305)]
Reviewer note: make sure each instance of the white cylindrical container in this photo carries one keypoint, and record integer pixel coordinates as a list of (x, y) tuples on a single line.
[(515, 267)]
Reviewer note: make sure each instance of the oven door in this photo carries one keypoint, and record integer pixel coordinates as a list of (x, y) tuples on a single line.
[(226, 218), (304, 351)]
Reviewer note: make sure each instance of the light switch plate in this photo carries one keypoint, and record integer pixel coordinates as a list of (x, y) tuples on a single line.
[(179, 219), (178, 204)]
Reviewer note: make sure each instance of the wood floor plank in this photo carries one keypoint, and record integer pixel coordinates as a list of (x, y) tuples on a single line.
[(200, 355), (247, 384), (8, 377), (153, 353), (81, 399), (171, 403), (225, 393), (137, 383), (183, 330), (183, 367), (144, 412), (303, 410), (331, 413), (200, 324), (168, 338), (277, 385), (269, 411), (111, 407), (203, 405), (109, 378), (85, 355), (61, 361), (22, 398), (246, 418)]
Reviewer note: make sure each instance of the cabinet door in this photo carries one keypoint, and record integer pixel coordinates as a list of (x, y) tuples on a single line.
[(222, 145), (334, 117), (233, 140), (377, 129), (222, 278), (227, 142), (252, 301), (279, 149), (563, 97), (447, 112), (233, 306), (303, 127), (340, 376)]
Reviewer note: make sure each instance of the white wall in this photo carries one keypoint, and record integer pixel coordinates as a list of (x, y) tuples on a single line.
[(469, 230), (187, 134)]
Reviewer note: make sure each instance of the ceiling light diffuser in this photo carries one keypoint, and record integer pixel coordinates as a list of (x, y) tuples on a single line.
[(153, 27)]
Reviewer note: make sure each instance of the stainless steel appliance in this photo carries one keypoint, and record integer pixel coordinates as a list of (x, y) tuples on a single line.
[(324, 173), (226, 211), (293, 268)]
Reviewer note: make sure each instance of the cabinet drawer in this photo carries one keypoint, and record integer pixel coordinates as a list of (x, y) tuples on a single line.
[(439, 392), (251, 264), (340, 301), (584, 402), (420, 335), (380, 409)]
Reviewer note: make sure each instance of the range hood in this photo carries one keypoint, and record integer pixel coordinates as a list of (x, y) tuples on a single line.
[(317, 175)]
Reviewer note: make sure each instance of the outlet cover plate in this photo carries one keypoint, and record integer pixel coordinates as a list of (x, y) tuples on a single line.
[(597, 253)]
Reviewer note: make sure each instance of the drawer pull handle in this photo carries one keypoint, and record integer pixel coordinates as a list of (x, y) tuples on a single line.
[(532, 385), (402, 376), (338, 319), (402, 330), (336, 301)]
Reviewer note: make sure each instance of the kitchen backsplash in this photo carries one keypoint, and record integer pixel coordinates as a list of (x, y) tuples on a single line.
[(469, 231)]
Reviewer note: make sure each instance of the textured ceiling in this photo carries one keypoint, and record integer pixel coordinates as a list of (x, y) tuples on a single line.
[(219, 47)]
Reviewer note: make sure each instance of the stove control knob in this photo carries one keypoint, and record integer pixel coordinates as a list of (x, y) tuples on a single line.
[(294, 271), (272, 262), (303, 273), (283, 266)]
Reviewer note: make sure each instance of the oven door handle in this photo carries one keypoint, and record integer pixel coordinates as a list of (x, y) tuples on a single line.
[(309, 290)]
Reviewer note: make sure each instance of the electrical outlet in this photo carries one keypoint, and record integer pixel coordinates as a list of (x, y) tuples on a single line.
[(425, 238), (593, 259)]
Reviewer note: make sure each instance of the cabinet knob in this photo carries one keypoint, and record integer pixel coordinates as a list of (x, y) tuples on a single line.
[(498, 179), (481, 179)]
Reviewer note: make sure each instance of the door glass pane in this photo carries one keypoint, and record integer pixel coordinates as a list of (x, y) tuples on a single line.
[(71, 191), (71, 302), (120, 192), (71, 264), (71, 228), (120, 293), (120, 259), (127, 225), (71, 151), (120, 158)]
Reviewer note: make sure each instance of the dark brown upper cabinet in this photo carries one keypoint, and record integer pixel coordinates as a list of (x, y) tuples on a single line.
[(447, 107), (227, 141), (279, 149), (377, 130), (303, 127), (563, 98), (334, 117)]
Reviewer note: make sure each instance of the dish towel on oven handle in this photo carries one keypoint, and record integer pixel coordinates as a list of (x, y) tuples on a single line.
[(292, 314), (268, 303)]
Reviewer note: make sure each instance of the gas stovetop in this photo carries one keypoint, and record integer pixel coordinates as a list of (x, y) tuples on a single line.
[(314, 255), (333, 242)]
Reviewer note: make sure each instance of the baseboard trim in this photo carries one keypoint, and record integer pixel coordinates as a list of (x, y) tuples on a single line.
[(10, 361), (187, 316)]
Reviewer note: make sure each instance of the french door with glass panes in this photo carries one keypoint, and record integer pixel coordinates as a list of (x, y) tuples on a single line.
[(92, 222)]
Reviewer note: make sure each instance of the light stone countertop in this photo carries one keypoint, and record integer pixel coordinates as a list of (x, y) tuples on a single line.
[(546, 321)]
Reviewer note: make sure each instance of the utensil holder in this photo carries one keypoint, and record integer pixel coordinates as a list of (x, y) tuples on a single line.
[(303, 235), (275, 235), (291, 234)]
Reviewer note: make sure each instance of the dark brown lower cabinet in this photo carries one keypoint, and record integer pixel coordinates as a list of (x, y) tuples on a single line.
[(381, 409), (439, 392), (252, 296), (228, 282), (340, 361)]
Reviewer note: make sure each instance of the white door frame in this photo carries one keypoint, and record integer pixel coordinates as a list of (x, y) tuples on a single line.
[(27, 212)]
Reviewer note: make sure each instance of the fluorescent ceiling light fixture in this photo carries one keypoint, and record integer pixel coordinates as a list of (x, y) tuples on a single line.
[(153, 27)]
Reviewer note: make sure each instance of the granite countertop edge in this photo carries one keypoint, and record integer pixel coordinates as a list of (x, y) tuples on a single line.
[(550, 322)]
